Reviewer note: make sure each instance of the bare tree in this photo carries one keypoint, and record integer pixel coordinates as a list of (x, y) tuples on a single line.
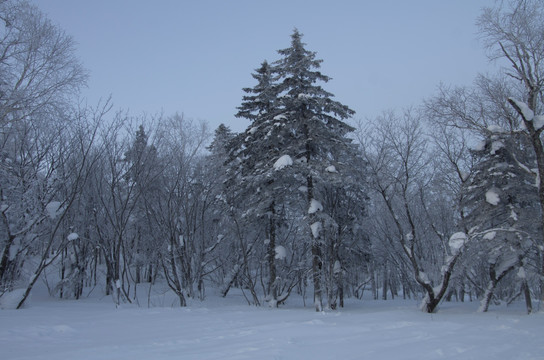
[(399, 161), (39, 77), (187, 227), (38, 65), (68, 167)]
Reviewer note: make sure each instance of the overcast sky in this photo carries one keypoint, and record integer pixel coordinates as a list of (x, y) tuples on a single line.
[(194, 57)]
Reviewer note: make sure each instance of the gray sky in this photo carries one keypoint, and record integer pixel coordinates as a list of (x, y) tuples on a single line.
[(196, 56)]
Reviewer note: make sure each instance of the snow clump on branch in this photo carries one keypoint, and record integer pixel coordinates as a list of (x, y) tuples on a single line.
[(282, 162)]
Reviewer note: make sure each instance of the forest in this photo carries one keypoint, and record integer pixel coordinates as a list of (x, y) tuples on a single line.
[(439, 202)]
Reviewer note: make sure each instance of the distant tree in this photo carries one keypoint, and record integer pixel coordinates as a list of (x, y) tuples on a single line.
[(218, 147)]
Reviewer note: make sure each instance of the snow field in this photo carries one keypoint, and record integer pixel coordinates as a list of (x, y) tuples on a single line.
[(223, 328)]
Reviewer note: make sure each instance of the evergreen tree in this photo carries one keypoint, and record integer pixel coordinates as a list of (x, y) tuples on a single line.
[(259, 106), (315, 135), (252, 176), (218, 148), (296, 144)]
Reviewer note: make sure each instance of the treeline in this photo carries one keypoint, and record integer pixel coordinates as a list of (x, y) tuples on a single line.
[(440, 202)]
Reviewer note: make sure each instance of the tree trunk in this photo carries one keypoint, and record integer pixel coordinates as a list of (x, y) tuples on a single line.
[(374, 285), (527, 293), (488, 295), (150, 274), (494, 280), (384, 284), (316, 271), (272, 290), (175, 281), (5, 257), (316, 250), (462, 293)]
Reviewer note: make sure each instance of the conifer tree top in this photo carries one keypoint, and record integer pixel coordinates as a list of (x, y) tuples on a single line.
[(264, 94), (298, 62)]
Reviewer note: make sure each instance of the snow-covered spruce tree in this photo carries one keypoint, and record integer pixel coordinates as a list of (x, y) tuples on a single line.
[(313, 134), (296, 144), (255, 177), (502, 209), (218, 147)]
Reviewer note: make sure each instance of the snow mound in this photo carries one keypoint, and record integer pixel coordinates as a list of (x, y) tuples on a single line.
[(492, 197), (282, 162), (315, 206), (281, 253)]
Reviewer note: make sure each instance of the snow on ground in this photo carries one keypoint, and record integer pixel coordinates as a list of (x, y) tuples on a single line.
[(226, 328)]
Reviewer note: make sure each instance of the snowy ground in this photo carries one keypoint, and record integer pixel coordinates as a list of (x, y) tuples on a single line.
[(229, 329)]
